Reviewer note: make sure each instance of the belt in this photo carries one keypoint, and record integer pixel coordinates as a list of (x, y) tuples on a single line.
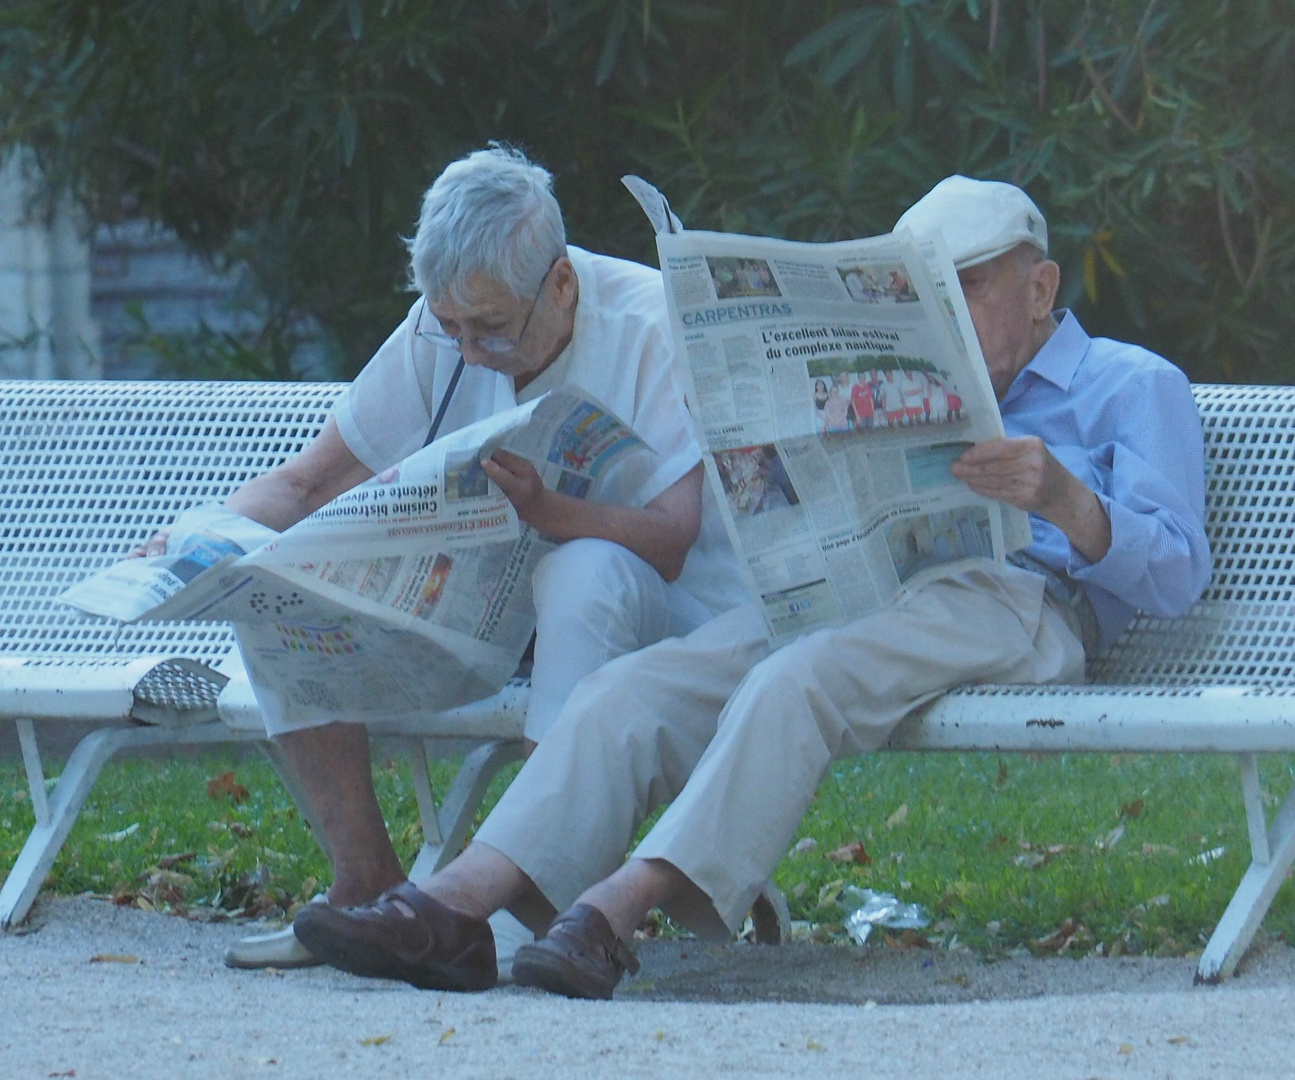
[(1068, 594)]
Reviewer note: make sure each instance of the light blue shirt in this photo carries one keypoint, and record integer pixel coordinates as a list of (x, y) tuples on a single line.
[(1123, 420)]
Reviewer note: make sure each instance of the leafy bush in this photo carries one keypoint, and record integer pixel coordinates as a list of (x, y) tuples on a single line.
[(1152, 132)]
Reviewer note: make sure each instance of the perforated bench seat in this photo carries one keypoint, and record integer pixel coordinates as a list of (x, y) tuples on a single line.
[(88, 469)]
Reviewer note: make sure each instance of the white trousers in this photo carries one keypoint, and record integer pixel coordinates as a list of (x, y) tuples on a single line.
[(739, 736), (594, 600)]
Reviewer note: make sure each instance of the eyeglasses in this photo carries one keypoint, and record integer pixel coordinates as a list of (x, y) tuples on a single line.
[(496, 345)]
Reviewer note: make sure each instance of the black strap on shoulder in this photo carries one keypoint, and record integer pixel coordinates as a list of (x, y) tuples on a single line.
[(445, 402)]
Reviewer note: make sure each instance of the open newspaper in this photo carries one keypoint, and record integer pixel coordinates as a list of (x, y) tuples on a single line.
[(834, 385), (425, 567)]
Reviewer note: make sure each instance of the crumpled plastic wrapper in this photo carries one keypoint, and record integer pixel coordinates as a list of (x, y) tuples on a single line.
[(879, 909)]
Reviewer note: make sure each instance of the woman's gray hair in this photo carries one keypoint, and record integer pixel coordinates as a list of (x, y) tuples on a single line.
[(491, 213)]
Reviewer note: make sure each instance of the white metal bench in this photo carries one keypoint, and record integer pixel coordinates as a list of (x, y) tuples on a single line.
[(1219, 680), (87, 469)]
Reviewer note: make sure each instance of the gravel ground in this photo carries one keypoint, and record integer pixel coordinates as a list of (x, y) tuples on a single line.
[(93, 991)]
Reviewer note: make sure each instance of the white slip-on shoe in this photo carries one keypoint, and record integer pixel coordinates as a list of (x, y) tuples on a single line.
[(277, 949), (509, 934)]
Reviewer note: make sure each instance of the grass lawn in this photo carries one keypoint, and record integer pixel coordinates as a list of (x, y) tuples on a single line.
[(1069, 853)]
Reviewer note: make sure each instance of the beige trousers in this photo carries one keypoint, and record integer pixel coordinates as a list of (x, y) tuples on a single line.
[(739, 736)]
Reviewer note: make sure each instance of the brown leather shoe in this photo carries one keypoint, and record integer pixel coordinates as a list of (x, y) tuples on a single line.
[(437, 949), (580, 956)]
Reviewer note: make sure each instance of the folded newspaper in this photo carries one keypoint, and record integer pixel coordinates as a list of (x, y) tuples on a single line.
[(833, 385), (424, 567)]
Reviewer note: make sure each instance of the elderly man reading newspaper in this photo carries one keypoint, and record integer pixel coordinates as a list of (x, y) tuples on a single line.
[(507, 311), (1103, 449)]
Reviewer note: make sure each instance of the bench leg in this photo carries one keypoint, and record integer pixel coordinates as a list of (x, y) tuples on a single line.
[(444, 834), (35, 771), (1272, 852), (70, 792), (770, 917), (47, 836)]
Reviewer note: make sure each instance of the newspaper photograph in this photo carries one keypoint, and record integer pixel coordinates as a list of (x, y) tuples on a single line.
[(834, 385), (425, 566)]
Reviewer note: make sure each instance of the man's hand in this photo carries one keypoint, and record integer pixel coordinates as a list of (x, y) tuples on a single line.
[(517, 479), (1024, 473), (659, 533), (154, 545)]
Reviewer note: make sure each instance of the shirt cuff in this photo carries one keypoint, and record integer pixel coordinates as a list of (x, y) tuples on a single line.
[(1125, 561)]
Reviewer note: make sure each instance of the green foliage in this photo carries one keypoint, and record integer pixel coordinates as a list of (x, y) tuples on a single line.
[(299, 136), (208, 353), (1005, 852)]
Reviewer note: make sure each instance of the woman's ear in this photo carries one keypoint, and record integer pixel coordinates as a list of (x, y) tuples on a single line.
[(566, 286)]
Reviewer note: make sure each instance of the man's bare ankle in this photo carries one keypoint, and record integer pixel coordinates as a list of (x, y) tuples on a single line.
[(351, 892), (456, 898)]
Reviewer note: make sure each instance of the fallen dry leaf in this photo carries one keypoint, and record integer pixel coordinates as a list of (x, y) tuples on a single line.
[(1125, 1048), (225, 786), (898, 817), (1061, 939), (1176, 1040), (170, 862), (1131, 809), (166, 887), (907, 939), (813, 1044), (70, 1072), (446, 1036), (851, 853), (831, 892), (113, 958), (375, 1040)]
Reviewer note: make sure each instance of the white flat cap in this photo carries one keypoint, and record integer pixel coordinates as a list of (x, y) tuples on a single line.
[(980, 219)]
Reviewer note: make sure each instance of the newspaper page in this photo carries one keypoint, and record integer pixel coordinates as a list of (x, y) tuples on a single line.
[(834, 385), (424, 567)]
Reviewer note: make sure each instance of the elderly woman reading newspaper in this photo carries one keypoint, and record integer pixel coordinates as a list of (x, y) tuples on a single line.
[(507, 310)]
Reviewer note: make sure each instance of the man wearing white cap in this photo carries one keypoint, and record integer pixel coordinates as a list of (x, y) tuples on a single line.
[(1103, 449)]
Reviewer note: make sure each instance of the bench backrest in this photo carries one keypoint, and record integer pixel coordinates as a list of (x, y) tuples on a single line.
[(88, 469), (1242, 632)]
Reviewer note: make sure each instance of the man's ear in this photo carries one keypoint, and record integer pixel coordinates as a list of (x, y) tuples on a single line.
[(1045, 279)]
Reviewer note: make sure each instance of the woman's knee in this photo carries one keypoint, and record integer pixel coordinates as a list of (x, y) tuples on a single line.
[(586, 565)]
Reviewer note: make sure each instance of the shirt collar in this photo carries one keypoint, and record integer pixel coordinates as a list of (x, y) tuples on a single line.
[(1062, 353)]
